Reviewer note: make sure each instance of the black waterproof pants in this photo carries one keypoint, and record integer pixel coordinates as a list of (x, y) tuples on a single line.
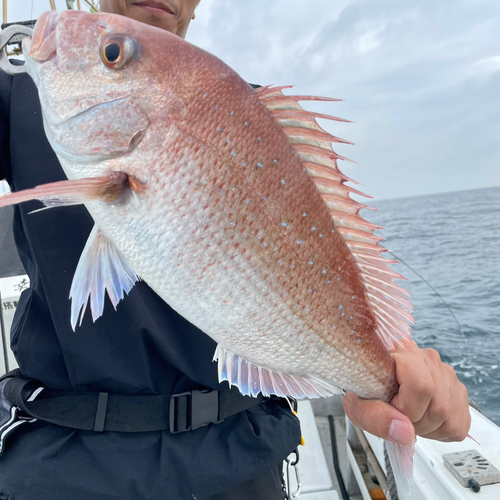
[(269, 486)]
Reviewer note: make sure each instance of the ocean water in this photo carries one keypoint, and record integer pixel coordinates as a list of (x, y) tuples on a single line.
[(453, 241)]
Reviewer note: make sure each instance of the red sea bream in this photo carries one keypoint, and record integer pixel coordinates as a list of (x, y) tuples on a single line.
[(226, 200)]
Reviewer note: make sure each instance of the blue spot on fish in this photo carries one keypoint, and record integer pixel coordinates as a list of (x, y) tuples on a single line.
[(284, 224), (340, 307), (246, 124), (359, 341), (233, 153), (259, 139), (304, 214), (321, 236), (219, 130), (324, 272), (310, 262), (244, 164), (314, 229), (299, 242), (283, 181), (216, 108), (310, 291), (232, 112), (275, 161), (206, 95)]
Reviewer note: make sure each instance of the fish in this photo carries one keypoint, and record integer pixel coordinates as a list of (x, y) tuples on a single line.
[(226, 200)]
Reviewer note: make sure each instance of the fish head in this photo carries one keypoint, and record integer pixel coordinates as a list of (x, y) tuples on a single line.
[(103, 80)]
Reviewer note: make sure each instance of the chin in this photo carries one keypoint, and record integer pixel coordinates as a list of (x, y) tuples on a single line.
[(153, 20)]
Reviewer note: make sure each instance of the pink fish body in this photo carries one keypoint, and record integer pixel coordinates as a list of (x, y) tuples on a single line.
[(227, 201)]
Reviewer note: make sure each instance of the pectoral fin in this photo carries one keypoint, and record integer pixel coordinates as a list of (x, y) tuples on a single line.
[(102, 268), (72, 192)]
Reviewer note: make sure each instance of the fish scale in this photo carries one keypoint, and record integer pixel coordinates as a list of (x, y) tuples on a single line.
[(215, 238)]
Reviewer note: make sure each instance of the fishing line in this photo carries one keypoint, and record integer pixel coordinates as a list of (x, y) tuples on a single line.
[(94, 5), (430, 286)]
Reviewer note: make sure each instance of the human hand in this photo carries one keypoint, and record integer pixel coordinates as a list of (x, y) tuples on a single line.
[(431, 401)]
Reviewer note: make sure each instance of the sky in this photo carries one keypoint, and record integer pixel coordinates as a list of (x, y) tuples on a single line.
[(419, 79)]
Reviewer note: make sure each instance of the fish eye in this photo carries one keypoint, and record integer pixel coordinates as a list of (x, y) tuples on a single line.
[(117, 51), (112, 52)]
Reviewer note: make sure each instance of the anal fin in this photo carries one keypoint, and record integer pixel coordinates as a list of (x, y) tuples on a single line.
[(252, 379), (102, 268)]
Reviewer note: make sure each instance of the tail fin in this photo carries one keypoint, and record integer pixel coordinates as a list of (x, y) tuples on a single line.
[(401, 460)]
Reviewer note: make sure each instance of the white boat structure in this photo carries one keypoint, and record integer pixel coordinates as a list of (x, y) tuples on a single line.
[(338, 461)]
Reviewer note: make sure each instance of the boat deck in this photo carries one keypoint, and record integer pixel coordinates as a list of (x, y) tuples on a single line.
[(361, 461)]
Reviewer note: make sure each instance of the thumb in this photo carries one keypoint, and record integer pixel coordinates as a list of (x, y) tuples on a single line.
[(379, 418)]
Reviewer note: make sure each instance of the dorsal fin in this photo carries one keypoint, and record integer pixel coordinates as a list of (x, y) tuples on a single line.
[(388, 302)]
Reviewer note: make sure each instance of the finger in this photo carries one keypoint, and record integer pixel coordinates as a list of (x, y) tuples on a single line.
[(417, 385), (452, 430), (455, 416), (379, 418), (434, 419)]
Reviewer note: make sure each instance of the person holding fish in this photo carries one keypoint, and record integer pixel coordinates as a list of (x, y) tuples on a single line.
[(228, 203)]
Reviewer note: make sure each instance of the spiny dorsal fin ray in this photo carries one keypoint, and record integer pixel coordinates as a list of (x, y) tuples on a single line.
[(324, 172), (389, 303), (304, 116), (327, 186), (301, 133)]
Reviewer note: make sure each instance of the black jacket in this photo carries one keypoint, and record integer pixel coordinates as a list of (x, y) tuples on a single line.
[(144, 347)]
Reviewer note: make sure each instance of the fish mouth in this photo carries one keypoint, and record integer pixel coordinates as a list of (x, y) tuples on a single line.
[(158, 7), (42, 47)]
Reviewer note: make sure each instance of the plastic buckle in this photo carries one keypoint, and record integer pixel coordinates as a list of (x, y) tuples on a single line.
[(16, 419), (194, 409)]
